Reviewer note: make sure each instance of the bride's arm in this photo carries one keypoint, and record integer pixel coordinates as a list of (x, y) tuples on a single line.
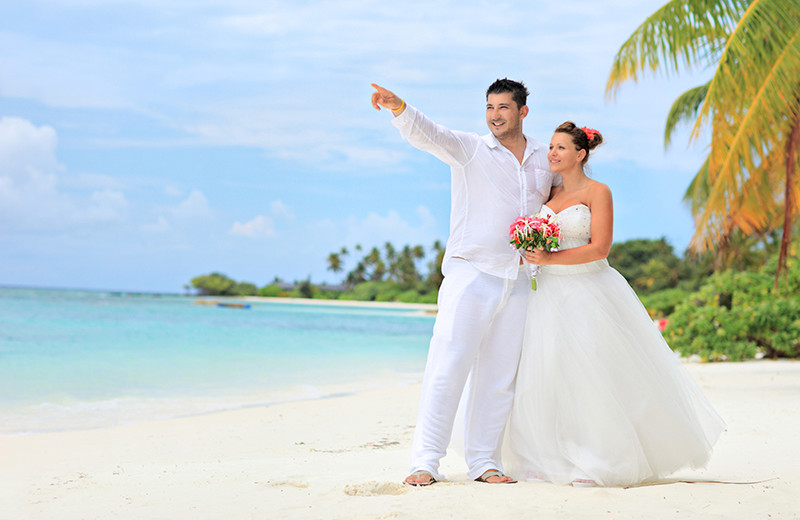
[(602, 233)]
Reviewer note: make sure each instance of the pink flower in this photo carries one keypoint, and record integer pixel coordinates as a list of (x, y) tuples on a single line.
[(662, 324), (532, 232)]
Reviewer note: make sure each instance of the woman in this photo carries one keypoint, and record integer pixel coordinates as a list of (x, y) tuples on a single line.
[(600, 397)]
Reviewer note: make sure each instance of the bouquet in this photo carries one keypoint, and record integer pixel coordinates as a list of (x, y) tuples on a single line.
[(528, 233)]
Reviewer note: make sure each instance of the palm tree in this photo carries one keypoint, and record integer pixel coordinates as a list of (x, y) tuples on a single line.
[(378, 267), (752, 105), (334, 262), (405, 270)]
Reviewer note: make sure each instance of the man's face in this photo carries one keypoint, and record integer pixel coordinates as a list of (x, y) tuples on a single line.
[(503, 116)]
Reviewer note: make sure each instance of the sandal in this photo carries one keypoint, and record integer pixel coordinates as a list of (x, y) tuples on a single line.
[(494, 473), (418, 474)]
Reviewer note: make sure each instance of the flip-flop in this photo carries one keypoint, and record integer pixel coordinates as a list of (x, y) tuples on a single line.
[(583, 482), (493, 473), (418, 474)]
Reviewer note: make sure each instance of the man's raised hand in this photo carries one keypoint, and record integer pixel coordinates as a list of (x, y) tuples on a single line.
[(386, 99)]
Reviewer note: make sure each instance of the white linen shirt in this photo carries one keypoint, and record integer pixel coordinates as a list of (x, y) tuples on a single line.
[(489, 189)]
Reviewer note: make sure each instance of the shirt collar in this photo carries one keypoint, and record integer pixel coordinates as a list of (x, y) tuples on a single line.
[(531, 145)]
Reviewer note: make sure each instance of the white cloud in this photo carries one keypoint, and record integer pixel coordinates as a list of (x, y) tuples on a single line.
[(106, 205), (259, 227), (280, 210), (377, 229), (26, 148), (32, 196), (262, 226), (194, 208)]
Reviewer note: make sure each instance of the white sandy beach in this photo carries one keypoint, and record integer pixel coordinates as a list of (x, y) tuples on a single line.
[(344, 458)]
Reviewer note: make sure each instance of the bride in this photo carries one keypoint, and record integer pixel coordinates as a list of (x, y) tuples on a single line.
[(600, 397)]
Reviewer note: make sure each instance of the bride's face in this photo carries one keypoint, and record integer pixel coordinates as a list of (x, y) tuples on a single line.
[(563, 156)]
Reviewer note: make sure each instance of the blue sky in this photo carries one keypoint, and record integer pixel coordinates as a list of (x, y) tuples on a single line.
[(145, 142)]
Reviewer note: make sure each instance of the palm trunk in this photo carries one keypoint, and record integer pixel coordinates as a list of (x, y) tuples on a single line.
[(721, 259), (786, 239)]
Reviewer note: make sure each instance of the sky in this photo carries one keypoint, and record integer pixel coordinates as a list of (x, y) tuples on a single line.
[(147, 142)]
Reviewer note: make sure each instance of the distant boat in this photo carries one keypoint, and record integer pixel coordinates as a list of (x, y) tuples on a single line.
[(217, 303), (234, 305)]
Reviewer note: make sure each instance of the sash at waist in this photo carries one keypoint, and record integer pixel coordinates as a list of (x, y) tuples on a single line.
[(588, 267)]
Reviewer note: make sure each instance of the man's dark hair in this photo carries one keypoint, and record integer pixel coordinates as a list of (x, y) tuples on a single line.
[(519, 92)]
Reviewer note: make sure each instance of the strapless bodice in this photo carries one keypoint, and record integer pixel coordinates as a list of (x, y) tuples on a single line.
[(576, 230)]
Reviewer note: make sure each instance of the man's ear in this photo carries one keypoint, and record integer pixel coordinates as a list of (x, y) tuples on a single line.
[(523, 112)]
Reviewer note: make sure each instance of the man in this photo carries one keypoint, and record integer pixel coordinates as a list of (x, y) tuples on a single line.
[(483, 297)]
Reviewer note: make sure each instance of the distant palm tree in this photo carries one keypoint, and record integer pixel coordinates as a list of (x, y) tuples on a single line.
[(334, 262), (752, 105), (374, 261)]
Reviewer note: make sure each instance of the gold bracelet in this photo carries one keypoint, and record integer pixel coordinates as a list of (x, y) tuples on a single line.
[(401, 107)]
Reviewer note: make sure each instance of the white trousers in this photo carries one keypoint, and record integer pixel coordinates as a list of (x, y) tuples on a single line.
[(479, 329)]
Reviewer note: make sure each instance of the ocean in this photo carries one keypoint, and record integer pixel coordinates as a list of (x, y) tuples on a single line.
[(74, 360)]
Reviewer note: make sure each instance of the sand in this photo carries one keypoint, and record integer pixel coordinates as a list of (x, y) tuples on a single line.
[(344, 458)]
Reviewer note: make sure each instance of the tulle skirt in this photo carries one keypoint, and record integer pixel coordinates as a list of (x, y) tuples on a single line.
[(600, 395)]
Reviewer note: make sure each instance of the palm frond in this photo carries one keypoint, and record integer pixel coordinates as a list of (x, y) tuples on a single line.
[(679, 34), (752, 106), (757, 209), (697, 192), (684, 108)]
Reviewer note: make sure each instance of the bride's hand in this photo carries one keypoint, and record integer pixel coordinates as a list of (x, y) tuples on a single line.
[(538, 256)]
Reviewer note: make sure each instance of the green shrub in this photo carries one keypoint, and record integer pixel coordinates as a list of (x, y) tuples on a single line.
[(366, 291), (214, 284), (271, 291), (430, 297), (245, 289), (662, 303), (388, 292), (740, 315)]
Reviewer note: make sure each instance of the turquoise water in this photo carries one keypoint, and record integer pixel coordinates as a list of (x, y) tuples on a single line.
[(84, 359)]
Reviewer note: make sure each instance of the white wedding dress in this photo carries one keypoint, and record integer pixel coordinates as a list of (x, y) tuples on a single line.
[(600, 395)]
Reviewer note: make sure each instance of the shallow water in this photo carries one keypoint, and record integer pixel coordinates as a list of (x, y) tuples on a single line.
[(85, 359)]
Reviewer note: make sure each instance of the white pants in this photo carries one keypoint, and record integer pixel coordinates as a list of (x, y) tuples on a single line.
[(479, 328)]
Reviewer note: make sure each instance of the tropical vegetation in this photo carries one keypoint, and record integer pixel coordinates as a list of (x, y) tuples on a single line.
[(739, 315), (745, 195), (381, 274), (750, 108)]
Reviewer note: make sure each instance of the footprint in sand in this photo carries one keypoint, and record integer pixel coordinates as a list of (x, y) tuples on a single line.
[(289, 483), (373, 488)]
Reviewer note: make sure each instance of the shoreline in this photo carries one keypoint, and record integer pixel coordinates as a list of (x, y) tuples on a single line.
[(122, 412), (343, 303), (344, 458), (422, 307)]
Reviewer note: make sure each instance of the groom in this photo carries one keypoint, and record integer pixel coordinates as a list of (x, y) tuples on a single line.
[(479, 326)]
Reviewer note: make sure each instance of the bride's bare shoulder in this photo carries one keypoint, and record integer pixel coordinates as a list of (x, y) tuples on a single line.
[(599, 195), (597, 188)]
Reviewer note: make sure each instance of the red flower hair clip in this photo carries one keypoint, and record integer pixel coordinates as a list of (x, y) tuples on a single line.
[(590, 132)]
